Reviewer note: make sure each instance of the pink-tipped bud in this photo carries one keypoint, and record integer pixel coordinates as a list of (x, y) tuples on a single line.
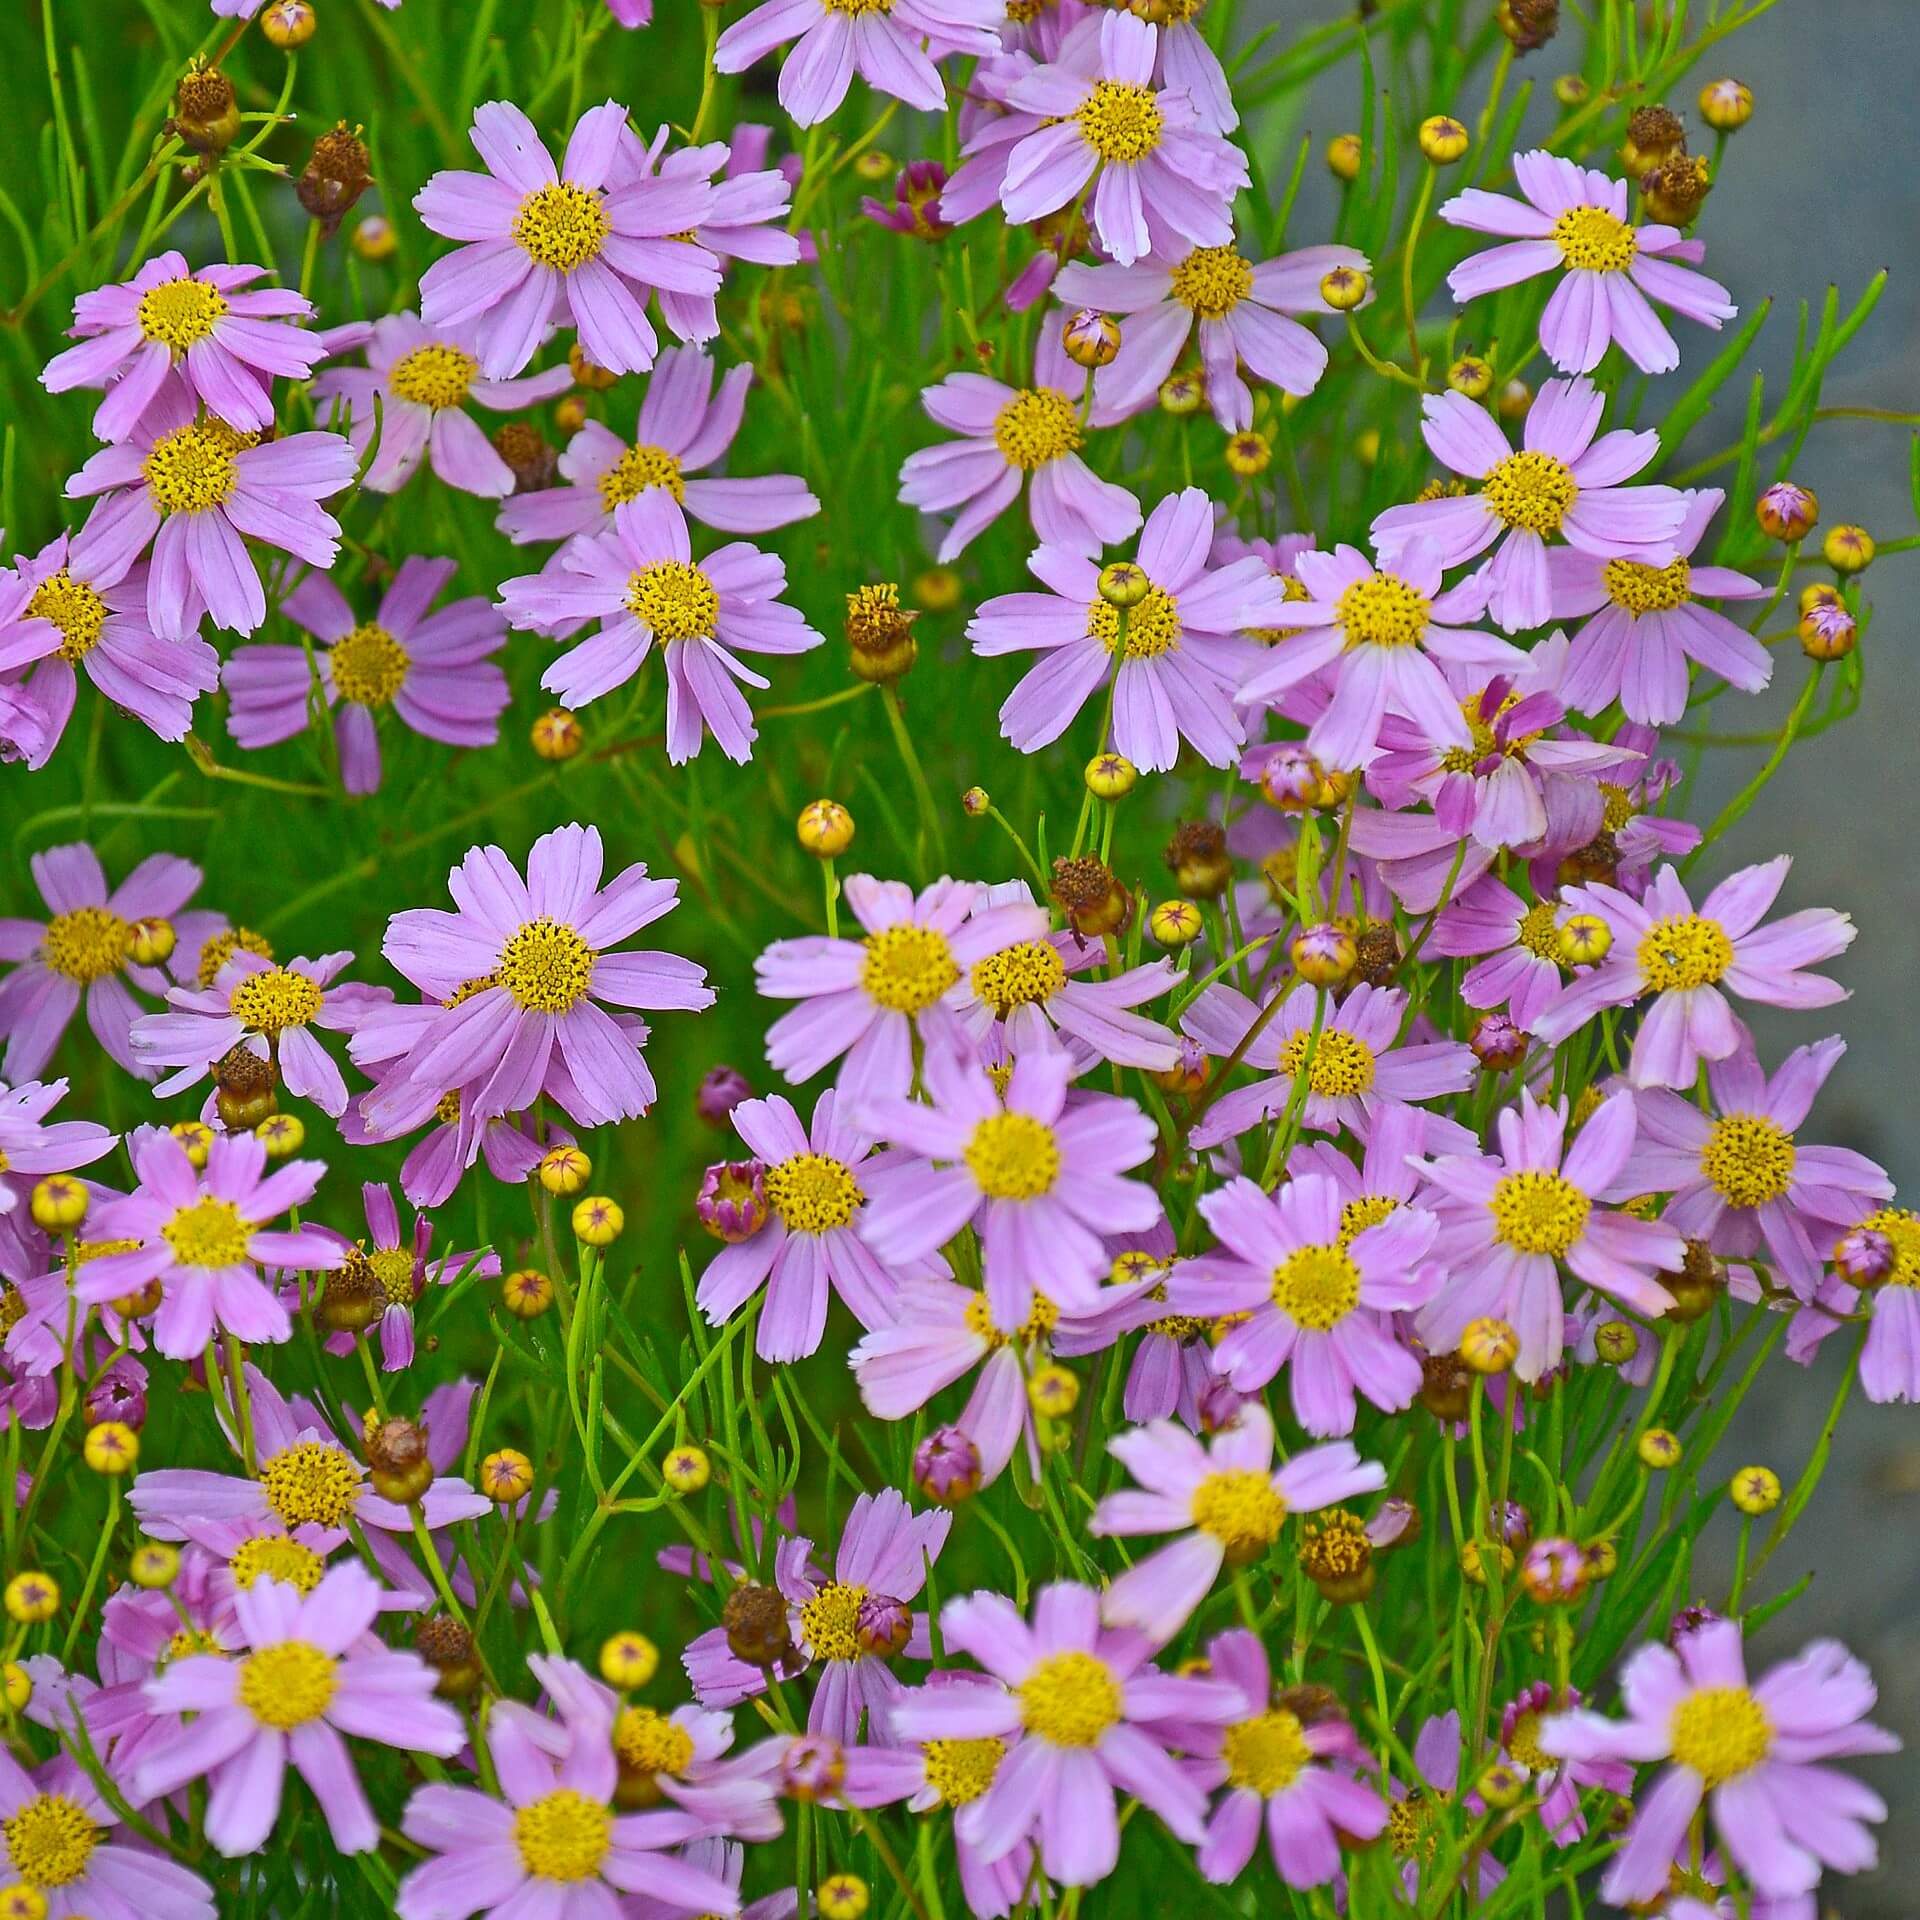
[(1219, 1405), (1555, 1572), (732, 1201), (946, 1467), (1323, 955), (883, 1625), (1497, 1043), (1091, 338), (722, 1088), (1864, 1256)]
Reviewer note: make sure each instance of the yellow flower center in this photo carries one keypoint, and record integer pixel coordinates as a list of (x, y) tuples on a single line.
[(221, 947), (812, 1192), (1539, 931), (960, 1771), (1317, 1287), (209, 1233), (1619, 804), (446, 1110), (1120, 122), (50, 1840), (1367, 1211), (1070, 1699), (1013, 1156), (561, 226), (1681, 952), (546, 966), (188, 1643), (369, 665), (86, 944), (1902, 1227), (830, 1621), (1596, 240), (1242, 1509), (1342, 1064), (437, 376), (180, 313), (1538, 1212), (1481, 727), (1213, 281), (1035, 426), (1040, 1322), (858, 6), (392, 1270), (1022, 975), (675, 599), (310, 1484), (74, 608), (1720, 1732), (1383, 611), (287, 1685), (1748, 1159), (637, 471), (1523, 1744), (192, 468), (274, 1000), (274, 1557), (563, 1835), (908, 968), (1531, 490), (1413, 1827), (649, 1742), (1639, 588), (1152, 628), (1265, 1754)]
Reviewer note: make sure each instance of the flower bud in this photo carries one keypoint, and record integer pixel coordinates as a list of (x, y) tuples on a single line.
[(825, 828), (1497, 1043), (1616, 1342), (1473, 1557), (1515, 402), (153, 942), (843, 1896), (1787, 512), (1396, 1523), (938, 590), (882, 1625), (1445, 1387), (1053, 1392), (1174, 923), (880, 642), (1182, 394), (1603, 1559), (506, 1476), (1323, 955), (564, 1170), (814, 1766), (1219, 1405), (1093, 900), (946, 1467), (1658, 1448), (59, 1203), (1472, 376), (1696, 1286), (374, 239), (628, 1660), (1091, 339), (1443, 139), (686, 1469), (31, 1598), (1755, 1490), (1865, 1256), (118, 1394), (1502, 1786), (1123, 585), (1344, 288), (397, 1460), (526, 1293), (1345, 156), (1847, 548), (1512, 1523), (16, 1686), (196, 1137), (1488, 1345), (288, 24), (1583, 940), (154, 1565), (598, 1221), (206, 116), (1554, 1572), (732, 1201), (1726, 105), (556, 735), (1249, 455), (1198, 859), (1828, 631), (111, 1447), (721, 1089), (1111, 776), (448, 1648)]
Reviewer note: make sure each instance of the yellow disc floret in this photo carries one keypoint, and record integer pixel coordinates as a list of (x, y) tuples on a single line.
[(1013, 1156), (1683, 951), (1265, 1755), (1538, 1212), (812, 1192), (563, 1836), (1022, 975), (546, 966), (208, 1233), (1317, 1287), (86, 944), (561, 226), (1241, 1509), (50, 1840), (675, 599), (908, 968), (1383, 611), (1037, 425), (1720, 1732), (1532, 491), (311, 1484), (1150, 629), (1595, 240), (1213, 281), (436, 376), (1749, 1159), (76, 610), (193, 468), (1121, 122), (638, 470), (1069, 1700), (287, 1684), (274, 999)]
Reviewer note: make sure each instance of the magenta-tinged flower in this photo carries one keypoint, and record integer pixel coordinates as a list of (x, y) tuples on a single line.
[(1563, 484), (1662, 947), (685, 426), (1513, 942), (540, 243), (1319, 1296), (1088, 1704), (915, 207), (1756, 1752), (195, 490), (1509, 1220), (1244, 313), (32, 1146), (87, 942), (814, 1183), (1558, 1783), (223, 344), (1573, 221), (642, 584), (434, 670), (867, 998), (1039, 1176), (1226, 1503), (1174, 656)]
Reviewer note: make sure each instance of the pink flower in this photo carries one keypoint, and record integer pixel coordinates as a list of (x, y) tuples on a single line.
[(32, 1146), (1557, 1782), (1574, 221), (1518, 939)]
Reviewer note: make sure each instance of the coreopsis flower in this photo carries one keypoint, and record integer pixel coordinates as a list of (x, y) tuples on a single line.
[(544, 947), (26, 727), (815, 1181), (33, 1146), (1563, 484), (416, 386), (1382, 635), (88, 942), (1684, 959), (1318, 1298), (642, 584), (1152, 172), (1088, 1704), (1755, 1752), (1740, 1178), (222, 341), (868, 998), (540, 242), (1641, 836), (1173, 655), (435, 670), (194, 490), (1039, 1176), (683, 1757), (685, 426), (915, 207), (1419, 1811), (1514, 944), (1649, 621), (1558, 1783), (1012, 437), (1226, 1502), (1573, 221), (1508, 1221), (203, 1235), (1244, 313), (1354, 1063), (892, 48), (55, 617)]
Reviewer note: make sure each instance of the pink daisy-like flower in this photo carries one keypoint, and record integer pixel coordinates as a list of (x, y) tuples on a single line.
[(202, 1235), (1382, 633), (416, 385), (224, 345), (1089, 1705), (1319, 1295), (1039, 1176), (32, 1146), (435, 670), (1174, 657), (56, 617), (1563, 484), (808, 1247), (684, 426), (1244, 313), (194, 490), (868, 998), (86, 944), (1011, 437), (543, 947), (1226, 1503), (1756, 1752), (1573, 221), (1662, 947), (1153, 173), (1354, 1064), (1648, 622), (642, 584), (892, 48), (541, 243), (1513, 942), (1508, 1221), (1741, 1180), (1557, 1783), (1422, 1820)]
